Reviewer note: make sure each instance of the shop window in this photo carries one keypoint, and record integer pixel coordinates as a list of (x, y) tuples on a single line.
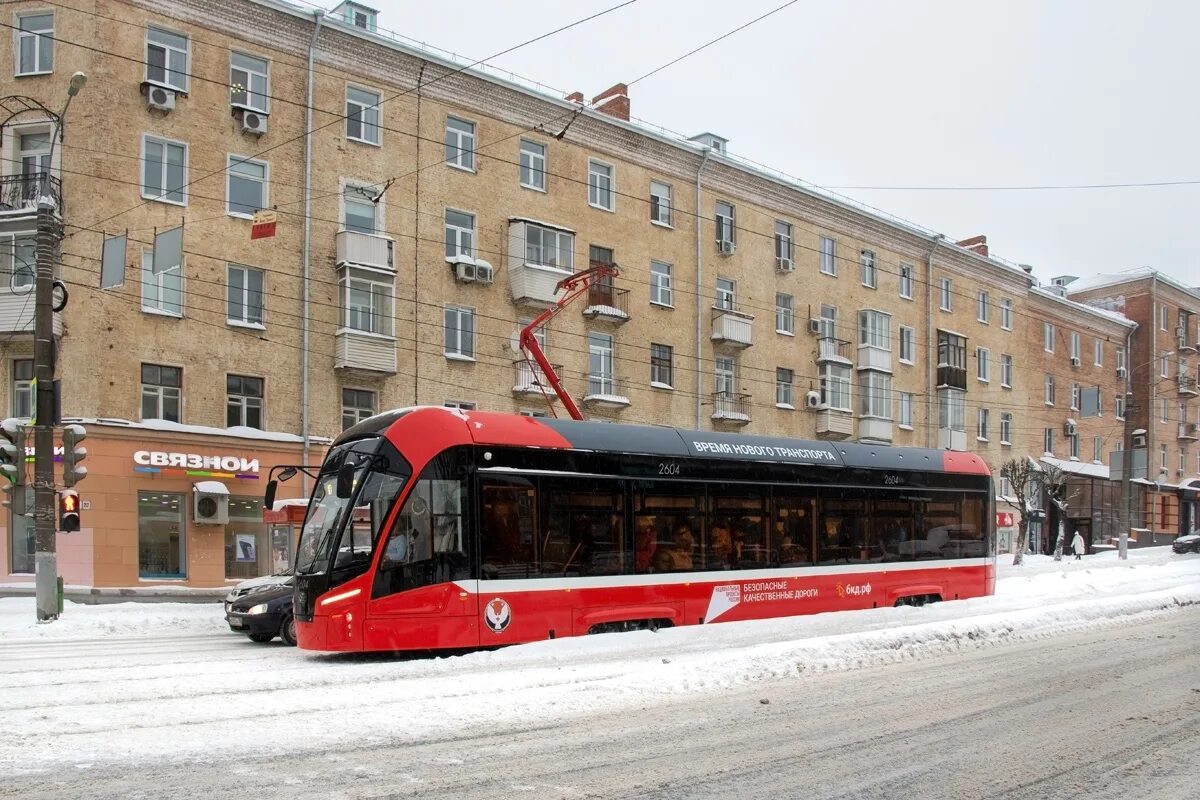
[(247, 551), (161, 546)]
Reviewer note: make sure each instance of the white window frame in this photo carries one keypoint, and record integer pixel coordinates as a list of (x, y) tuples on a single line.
[(1048, 334), (532, 163), (1048, 440), (459, 343), (664, 209), (908, 347), (21, 267), (875, 394), (785, 314), (785, 385), (661, 292), (1075, 396), (1120, 358), (361, 190), (1075, 350), (1006, 370), (1097, 449), (1048, 390), (726, 223), (1164, 409), (43, 38), (982, 416), (1119, 405), (1098, 352), (251, 73), (162, 197), (244, 301), (463, 238), (875, 329), (377, 286), (168, 50), (602, 185), (725, 370), (1073, 450), (1006, 428), (983, 365), (368, 115), (868, 274), (1164, 365), (1006, 314), (828, 258), (905, 417), (983, 307), (155, 287), (1162, 317), (563, 246), (22, 389), (725, 297), (945, 294), (906, 281), (952, 410), (784, 242), (836, 386), (462, 142), (601, 353), (656, 369), (232, 165)]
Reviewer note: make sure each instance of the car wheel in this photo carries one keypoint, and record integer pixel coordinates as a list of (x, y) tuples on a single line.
[(1196, 547), (261, 638), (287, 631)]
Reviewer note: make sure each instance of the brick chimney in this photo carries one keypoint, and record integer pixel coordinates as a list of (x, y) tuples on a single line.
[(615, 101), (976, 243), (575, 97)]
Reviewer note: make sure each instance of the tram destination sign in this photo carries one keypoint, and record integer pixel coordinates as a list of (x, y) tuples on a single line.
[(763, 450)]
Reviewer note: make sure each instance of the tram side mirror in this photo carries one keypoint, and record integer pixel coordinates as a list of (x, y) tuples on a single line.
[(345, 480), (269, 495)]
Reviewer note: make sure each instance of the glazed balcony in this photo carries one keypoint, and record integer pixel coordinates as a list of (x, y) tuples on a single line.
[(732, 328), (365, 250)]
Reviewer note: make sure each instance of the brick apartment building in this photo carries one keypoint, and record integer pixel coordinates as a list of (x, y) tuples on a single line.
[(425, 212)]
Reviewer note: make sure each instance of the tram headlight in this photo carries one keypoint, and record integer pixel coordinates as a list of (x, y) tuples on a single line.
[(261, 608)]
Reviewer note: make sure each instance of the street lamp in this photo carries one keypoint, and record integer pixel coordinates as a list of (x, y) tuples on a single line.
[(48, 236)]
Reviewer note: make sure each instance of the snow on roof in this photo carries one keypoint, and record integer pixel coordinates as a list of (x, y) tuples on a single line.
[(236, 431), (210, 487), (280, 505), (1129, 276), (1078, 467), (1081, 307)]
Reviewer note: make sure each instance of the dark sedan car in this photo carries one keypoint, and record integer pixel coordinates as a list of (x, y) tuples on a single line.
[(1187, 544), (264, 614)]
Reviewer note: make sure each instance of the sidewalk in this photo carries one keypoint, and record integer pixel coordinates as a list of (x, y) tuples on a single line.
[(93, 595)]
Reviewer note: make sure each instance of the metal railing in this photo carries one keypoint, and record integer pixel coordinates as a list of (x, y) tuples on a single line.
[(531, 378), (23, 191), (829, 347), (606, 300), (730, 405), (604, 386)]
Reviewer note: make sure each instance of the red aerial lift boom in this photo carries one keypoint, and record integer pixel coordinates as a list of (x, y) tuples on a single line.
[(574, 286)]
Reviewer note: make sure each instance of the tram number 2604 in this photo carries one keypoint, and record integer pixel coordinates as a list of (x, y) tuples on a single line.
[(668, 468)]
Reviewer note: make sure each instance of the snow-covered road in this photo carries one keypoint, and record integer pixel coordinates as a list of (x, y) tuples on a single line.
[(144, 683)]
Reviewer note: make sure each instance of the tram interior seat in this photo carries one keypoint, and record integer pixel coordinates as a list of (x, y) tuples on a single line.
[(931, 545)]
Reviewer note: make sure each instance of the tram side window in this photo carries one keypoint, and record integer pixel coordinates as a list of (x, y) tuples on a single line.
[(842, 533), (892, 527), (970, 539), (737, 535), (668, 528), (794, 536), (507, 530), (584, 528), (368, 515), (938, 520), (426, 543)]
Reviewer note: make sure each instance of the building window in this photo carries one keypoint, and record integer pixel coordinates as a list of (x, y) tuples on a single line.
[(1006, 427), (1073, 441), (248, 552), (600, 364), (726, 294), (162, 392), (1048, 441), (1074, 346), (875, 396), (164, 170), (533, 165), (725, 376), (875, 329), (366, 302), (1121, 359), (725, 224), (945, 294), (460, 332), (244, 295), (357, 405), (161, 293), (1162, 457), (784, 245), (835, 386), (1047, 337), (1163, 363), (660, 283), (22, 387), (906, 406), (828, 261), (18, 261), (828, 324), (868, 274), (1098, 449), (1074, 396), (661, 366), (161, 535), (1163, 409), (660, 203), (359, 209), (783, 387), (1048, 390), (981, 424), (907, 345), (362, 115), (461, 405), (460, 234), (785, 314), (249, 82), (460, 143), (906, 281), (247, 188), (547, 247), (983, 366), (1098, 352), (952, 351), (1162, 322), (244, 401), (952, 409), (35, 43), (1006, 314), (166, 58), (600, 185), (1006, 371), (983, 308), (1119, 405)]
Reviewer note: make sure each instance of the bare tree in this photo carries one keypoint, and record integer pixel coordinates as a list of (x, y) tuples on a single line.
[(1054, 481), (1022, 477)]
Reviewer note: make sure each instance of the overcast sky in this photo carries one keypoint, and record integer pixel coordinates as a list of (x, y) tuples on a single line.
[(859, 93)]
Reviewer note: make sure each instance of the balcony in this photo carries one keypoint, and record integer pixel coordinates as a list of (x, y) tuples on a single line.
[(733, 328), (1187, 386), (365, 250), (21, 192), (834, 423), (731, 408), (604, 391), (607, 303), (875, 429), (874, 358), (368, 352), (535, 285), (950, 439), (16, 313), (1189, 431), (831, 349), (949, 377), (531, 381)]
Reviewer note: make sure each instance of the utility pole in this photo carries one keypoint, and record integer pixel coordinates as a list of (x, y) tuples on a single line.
[(46, 561)]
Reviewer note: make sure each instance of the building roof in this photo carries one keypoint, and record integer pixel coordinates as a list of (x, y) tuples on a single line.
[(1127, 277), (1083, 308)]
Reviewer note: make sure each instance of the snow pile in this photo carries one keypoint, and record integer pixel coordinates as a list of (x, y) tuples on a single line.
[(18, 620)]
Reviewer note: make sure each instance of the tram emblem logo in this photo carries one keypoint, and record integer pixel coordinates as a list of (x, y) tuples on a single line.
[(497, 614)]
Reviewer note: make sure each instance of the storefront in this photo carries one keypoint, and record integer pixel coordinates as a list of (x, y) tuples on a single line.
[(1189, 507), (168, 505)]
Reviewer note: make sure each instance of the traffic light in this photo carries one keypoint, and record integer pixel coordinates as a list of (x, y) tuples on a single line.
[(12, 451), (72, 435), (68, 511)]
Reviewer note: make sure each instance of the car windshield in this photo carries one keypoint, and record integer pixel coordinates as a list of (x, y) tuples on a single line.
[(325, 512)]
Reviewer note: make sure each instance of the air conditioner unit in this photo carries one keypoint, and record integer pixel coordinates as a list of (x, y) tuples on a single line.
[(210, 503), (254, 122), (483, 272), (1069, 427), (160, 98), (1121, 372), (1074, 361), (814, 326), (812, 400), (465, 271), (784, 264), (727, 247)]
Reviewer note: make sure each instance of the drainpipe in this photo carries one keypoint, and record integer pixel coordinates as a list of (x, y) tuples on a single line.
[(1152, 400), (306, 258), (699, 296), (930, 396)]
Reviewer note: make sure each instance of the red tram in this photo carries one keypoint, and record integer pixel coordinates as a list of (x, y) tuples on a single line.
[(438, 528)]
